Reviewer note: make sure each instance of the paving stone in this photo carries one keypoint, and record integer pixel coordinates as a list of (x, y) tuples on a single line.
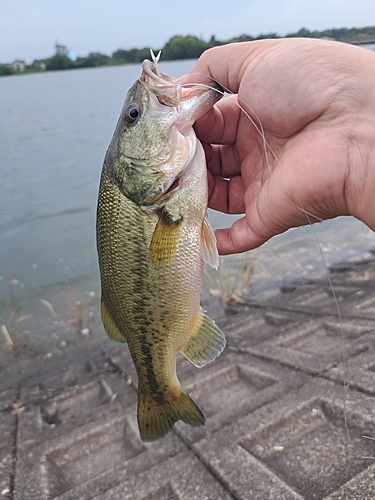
[(357, 371), (274, 429), (361, 487), (233, 388), (182, 477), (234, 385), (296, 447), (119, 357), (8, 421), (354, 292), (57, 374), (52, 417), (256, 324), (353, 299), (77, 371), (153, 454), (360, 269), (318, 344), (86, 431), (7, 400)]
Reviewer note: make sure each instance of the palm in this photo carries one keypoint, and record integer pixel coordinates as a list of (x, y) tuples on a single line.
[(305, 109)]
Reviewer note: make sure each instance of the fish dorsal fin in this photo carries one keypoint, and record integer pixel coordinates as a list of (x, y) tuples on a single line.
[(165, 238), (209, 249), (205, 343), (109, 325)]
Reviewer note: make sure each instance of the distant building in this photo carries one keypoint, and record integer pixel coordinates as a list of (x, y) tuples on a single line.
[(37, 64), (18, 65), (61, 50)]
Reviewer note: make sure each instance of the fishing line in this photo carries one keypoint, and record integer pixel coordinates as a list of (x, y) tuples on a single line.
[(309, 216)]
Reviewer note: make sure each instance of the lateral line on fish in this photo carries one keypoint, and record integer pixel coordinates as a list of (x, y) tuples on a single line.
[(267, 148)]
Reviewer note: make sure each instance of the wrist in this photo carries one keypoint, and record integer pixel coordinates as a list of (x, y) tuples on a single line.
[(360, 187)]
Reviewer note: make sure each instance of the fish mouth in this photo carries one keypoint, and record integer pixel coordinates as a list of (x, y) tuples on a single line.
[(165, 87), (170, 91)]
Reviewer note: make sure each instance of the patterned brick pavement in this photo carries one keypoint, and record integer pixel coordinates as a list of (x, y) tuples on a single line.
[(280, 423)]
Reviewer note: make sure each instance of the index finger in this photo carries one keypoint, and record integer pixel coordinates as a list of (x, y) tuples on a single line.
[(227, 64), (223, 65), (220, 124)]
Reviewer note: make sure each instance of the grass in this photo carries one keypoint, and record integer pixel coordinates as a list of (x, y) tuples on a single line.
[(231, 285), (13, 330), (79, 310)]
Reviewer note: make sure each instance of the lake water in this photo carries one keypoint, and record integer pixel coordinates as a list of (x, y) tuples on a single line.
[(54, 131)]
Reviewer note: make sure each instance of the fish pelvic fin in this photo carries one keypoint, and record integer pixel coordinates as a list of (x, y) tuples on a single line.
[(210, 253), (205, 343), (165, 238), (157, 415), (109, 324)]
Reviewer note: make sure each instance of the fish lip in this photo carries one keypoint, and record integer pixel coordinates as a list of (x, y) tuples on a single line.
[(170, 91), (151, 70), (164, 87)]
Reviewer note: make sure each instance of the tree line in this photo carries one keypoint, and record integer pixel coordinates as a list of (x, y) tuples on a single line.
[(177, 47)]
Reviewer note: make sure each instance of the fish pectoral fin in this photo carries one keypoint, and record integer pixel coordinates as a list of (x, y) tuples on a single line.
[(157, 416), (109, 325), (205, 343), (209, 249), (165, 238)]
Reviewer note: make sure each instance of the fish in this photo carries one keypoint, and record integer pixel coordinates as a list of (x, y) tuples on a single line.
[(153, 237)]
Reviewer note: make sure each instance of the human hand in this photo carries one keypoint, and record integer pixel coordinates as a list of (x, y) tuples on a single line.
[(316, 102)]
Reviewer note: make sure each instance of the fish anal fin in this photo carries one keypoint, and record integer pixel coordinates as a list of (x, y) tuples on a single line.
[(109, 325), (156, 416), (165, 238), (205, 343), (209, 249)]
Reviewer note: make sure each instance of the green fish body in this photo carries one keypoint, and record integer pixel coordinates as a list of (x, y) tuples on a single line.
[(153, 237)]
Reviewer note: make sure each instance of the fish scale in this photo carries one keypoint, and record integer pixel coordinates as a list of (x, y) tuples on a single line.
[(152, 239)]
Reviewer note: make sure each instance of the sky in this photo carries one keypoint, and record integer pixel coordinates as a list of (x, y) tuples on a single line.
[(29, 29)]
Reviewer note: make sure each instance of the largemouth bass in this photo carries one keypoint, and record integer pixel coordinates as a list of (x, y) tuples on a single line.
[(153, 237)]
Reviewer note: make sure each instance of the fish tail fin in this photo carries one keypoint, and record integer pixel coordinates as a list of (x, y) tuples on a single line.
[(156, 415)]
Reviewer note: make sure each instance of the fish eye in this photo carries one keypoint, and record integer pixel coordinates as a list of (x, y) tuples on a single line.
[(132, 113)]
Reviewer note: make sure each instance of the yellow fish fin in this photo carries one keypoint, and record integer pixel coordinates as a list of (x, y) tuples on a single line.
[(156, 415), (109, 325), (165, 238), (209, 249), (205, 343)]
